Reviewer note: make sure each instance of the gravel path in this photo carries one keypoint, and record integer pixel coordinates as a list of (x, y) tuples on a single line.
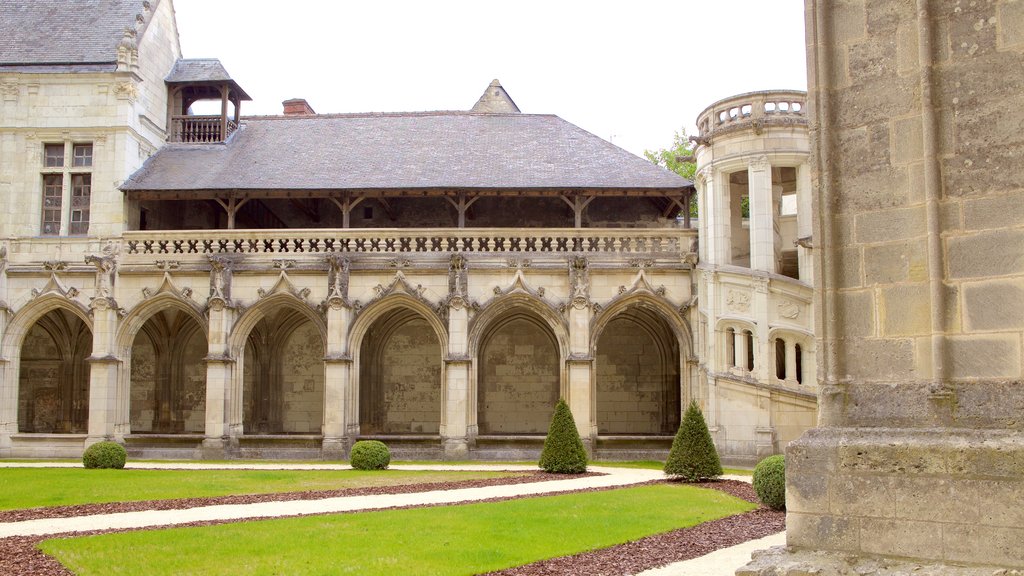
[(19, 555)]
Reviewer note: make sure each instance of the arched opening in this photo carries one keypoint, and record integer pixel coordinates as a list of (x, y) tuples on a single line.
[(400, 369), (168, 375), (780, 359), (283, 375), (518, 376), (799, 359), (53, 391), (637, 389), (749, 360)]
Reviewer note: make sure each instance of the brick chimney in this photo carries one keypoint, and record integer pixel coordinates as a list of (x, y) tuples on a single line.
[(297, 107)]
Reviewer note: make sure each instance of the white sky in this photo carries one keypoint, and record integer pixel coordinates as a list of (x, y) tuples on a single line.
[(631, 71)]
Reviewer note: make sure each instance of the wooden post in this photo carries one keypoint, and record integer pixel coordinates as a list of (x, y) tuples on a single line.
[(224, 112)]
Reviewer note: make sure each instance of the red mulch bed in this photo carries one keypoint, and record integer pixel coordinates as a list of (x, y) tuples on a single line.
[(19, 555)]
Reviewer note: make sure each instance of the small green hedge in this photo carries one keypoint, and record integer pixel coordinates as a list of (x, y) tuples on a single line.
[(105, 455), (370, 455), (693, 456), (770, 482), (563, 450)]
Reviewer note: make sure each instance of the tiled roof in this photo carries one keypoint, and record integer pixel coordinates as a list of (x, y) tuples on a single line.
[(198, 70), (402, 151), (61, 32)]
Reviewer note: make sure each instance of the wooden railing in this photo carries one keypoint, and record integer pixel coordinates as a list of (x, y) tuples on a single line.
[(199, 129), (660, 242)]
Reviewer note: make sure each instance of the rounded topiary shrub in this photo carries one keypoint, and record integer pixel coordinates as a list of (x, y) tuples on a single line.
[(370, 455), (693, 456), (563, 450), (770, 482), (105, 455)]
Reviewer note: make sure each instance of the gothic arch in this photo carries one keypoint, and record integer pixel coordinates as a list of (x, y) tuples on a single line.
[(664, 310), (143, 311), (260, 310), (510, 303), (370, 314)]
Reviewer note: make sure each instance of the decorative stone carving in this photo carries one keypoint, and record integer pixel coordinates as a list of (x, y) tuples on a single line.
[(737, 301), (105, 267), (579, 282), (9, 91), (761, 284), (284, 285), (55, 265), (399, 263), (166, 265), (55, 286), (519, 263), (759, 164), (220, 280), (126, 91), (788, 309), (641, 263)]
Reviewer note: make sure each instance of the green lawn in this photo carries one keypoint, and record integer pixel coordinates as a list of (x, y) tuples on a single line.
[(466, 539), (32, 487)]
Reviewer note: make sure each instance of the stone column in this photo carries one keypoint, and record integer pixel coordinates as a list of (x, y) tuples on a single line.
[(715, 219), (103, 372), (762, 224), (337, 380), (762, 317), (803, 222), (917, 465), (580, 364), (8, 389), (455, 430), (791, 361), (220, 367), (739, 346)]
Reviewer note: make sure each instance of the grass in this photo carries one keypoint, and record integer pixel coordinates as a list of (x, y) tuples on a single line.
[(32, 487), (465, 539)]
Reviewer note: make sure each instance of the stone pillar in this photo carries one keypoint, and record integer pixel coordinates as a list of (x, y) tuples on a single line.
[(739, 345), (337, 380), (918, 463), (455, 431), (103, 372), (791, 361), (220, 368), (717, 234), (762, 224), (803, 222), (762, 317), (580, 364)]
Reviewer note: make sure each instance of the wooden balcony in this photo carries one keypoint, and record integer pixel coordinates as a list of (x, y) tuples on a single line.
[(201, 129)]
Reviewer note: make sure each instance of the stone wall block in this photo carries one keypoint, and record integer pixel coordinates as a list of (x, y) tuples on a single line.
[(852, 307), (906, 310), (848, 267), (1010, 23), (889, 360), (831, 532), (897, 537), (993, 497), (908, 140), (891, 225), (1002, 211), (998, 545), (987, 356), (935, 499), (897, 262), (866, 496), (849, 21), (990, 404), (994, 305), (993, 253)]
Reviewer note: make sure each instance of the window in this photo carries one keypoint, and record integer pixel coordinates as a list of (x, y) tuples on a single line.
[(799, 354), (780, 358), (55, 173), (81, 190), (53, 155), (82, 155), (53, 187)]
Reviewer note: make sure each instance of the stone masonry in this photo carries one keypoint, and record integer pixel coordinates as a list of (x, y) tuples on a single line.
[(919, 236)]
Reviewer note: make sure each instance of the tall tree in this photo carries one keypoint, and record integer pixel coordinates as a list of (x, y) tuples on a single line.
[(679, 159)]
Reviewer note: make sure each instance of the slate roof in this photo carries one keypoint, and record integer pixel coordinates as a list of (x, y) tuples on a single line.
[(200, 71), (427, 150), (83, 33)]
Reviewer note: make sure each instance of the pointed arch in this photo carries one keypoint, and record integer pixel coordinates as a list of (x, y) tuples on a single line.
[(370, 314), (647, 300), (143, 311)]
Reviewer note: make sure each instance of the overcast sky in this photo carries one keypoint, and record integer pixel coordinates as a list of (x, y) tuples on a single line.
[(632, 72)]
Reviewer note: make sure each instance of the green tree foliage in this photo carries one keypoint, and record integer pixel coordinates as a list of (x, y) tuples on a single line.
[(104, 455), (693, 456), (770, 482), (676, 158), (563, 450)]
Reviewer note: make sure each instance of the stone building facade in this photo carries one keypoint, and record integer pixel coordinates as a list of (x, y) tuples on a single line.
[(280, 286), (917, 466)]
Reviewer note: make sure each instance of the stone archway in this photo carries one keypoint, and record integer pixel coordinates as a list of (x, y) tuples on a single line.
[(168, 375), (400, 371), (53, 387), (637, 375), (518, 375), (283, 375)]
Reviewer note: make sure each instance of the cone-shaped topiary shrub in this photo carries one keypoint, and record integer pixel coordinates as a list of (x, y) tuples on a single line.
[(563, 450), (693, 456), (370, 455), (770, 482), (104, 455)]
